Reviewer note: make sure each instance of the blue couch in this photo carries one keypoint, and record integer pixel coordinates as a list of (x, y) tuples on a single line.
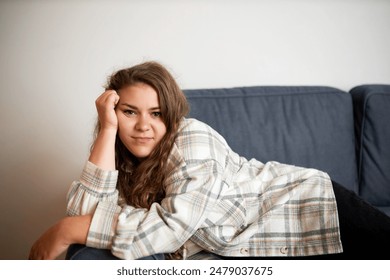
[(346, 134)]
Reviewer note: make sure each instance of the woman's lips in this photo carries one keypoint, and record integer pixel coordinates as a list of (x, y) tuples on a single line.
[(143, 140)]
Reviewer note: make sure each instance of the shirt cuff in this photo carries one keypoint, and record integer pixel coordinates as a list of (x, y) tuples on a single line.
[(97, 179), (103, 225)]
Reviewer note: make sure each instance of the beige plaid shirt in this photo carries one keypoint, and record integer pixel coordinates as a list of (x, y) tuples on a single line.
[(216, 201)]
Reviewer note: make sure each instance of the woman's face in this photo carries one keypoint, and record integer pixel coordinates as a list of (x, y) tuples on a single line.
[(140, 126)]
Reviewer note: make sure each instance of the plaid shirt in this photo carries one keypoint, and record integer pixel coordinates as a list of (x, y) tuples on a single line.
[(215, 201)]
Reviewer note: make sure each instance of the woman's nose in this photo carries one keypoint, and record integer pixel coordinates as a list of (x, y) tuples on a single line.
[(142, 123)]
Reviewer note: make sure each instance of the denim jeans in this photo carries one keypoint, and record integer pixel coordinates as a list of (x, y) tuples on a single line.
[(82, 252), (365, 230)]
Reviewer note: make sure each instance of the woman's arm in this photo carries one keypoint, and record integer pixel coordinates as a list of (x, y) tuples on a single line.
[(103, 152), (99, 173), (57, 238)]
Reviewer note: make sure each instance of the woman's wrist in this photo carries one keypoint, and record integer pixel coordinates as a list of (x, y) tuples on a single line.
[(103, 151), (109, 130)]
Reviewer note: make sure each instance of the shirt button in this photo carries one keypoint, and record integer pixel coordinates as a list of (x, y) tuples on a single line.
[(211, 249), (284, 250), (244, 251)]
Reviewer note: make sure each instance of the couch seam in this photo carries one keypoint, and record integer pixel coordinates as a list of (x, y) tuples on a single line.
[(265, 94), (362, 142)]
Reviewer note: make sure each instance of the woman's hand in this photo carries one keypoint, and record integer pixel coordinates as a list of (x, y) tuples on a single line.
[(105, 105), (57, 238)]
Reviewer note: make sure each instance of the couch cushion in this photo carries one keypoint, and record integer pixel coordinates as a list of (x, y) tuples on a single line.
[(371, 109), (304, 126)]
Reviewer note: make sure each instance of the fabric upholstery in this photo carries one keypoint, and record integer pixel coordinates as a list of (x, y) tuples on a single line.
[(300, 125)]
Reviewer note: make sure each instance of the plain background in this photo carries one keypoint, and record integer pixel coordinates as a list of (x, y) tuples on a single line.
[(55, 57)]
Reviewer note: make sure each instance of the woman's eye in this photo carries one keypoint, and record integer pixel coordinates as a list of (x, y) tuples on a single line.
[(156, 114), (129, 112)]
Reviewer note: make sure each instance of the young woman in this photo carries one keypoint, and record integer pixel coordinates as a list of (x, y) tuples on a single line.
[(160, 185)]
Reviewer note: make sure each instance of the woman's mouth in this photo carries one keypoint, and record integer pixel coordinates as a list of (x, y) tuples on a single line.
[(143, 140)]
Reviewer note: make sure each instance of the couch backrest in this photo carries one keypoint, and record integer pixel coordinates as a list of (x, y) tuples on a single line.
[(300, 125), (372, 120)]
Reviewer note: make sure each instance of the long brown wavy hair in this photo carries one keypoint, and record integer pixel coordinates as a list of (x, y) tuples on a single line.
[(142, 183)]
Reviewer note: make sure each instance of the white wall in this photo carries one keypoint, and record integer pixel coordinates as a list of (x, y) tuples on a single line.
[(55, 57)]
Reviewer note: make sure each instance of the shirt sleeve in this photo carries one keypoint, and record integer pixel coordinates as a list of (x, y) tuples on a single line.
[(95, 185), (191, 194)]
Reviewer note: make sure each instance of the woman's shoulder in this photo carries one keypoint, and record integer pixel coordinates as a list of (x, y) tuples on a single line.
[(199, 139), (190, 124), (190, 127)]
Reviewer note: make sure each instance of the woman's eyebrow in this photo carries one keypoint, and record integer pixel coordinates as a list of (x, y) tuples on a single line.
[(136, 108), (128, 105)]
